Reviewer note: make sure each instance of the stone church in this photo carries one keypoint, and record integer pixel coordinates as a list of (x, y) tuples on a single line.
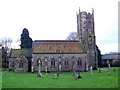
[(60, 55)]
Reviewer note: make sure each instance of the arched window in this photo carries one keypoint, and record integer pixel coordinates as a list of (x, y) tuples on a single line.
[(21, 64), (53, 62), (66, 63), (79, 62)]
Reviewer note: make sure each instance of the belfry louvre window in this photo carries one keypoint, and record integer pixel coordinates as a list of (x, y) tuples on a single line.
[(53, 62)]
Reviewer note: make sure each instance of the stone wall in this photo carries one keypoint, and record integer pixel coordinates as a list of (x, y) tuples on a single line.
[(68, 62)]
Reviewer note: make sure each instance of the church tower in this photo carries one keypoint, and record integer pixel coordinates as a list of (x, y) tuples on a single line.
[(86, 34)]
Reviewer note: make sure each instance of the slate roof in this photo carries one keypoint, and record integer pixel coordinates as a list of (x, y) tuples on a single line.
[(57, 46), (111, 56), (19, 52)]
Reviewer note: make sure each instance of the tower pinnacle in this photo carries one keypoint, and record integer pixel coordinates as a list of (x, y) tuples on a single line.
[(79, 9), (92, 10)]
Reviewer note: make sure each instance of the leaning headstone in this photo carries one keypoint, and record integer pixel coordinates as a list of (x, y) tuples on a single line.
[(39, 75), (91, 70)]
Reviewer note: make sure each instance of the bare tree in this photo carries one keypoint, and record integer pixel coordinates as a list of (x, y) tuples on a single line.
[(72, 36), (6, 42)]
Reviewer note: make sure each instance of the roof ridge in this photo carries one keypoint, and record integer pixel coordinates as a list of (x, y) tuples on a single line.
[(56, 41)]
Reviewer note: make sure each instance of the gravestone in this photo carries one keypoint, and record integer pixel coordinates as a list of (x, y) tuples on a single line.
[(91, 70), (109, 69), (39, 70), (78, 76)]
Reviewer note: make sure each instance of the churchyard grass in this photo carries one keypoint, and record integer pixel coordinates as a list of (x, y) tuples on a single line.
[(65, 80), (0, 79)]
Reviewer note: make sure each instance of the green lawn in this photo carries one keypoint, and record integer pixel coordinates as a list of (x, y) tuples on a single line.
[(65, 80), (0, 79)]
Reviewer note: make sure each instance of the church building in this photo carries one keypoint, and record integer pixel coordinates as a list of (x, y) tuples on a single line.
[(59, 55)]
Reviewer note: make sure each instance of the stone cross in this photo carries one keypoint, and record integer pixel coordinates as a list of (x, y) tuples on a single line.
[(91, 70), (39, 70)]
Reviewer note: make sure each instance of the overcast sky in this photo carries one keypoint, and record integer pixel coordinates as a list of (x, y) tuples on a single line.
[(55, 19)]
